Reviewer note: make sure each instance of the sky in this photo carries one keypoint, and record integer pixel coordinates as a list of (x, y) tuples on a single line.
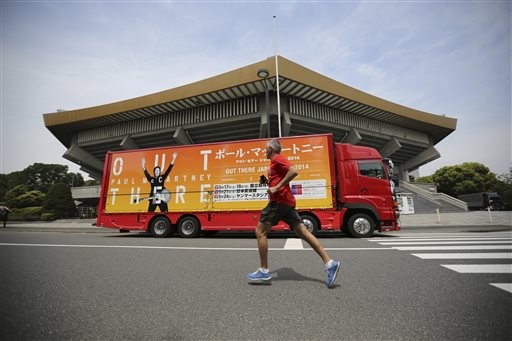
[(449, 58)]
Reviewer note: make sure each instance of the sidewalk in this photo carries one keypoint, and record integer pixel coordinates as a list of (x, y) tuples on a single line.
[(476, 218), (473, 218), (79, 225)]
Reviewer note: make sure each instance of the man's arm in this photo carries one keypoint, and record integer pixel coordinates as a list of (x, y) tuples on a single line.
[(290, 175), (143, 164), (166, 173)]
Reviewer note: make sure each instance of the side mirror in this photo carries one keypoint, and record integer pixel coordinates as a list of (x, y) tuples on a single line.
[(389, 163)]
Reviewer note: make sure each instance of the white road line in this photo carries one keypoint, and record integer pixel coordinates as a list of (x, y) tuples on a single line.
[(505, 242), (407, 240), (504, 286), (131, 247), (357, 249), (190, 248), (488, 255), (293, 244), (480, 268), (453, 247), (443, 235)]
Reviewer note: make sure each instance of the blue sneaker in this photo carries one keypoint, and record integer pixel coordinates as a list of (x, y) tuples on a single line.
[(332, 272), (259, 277)]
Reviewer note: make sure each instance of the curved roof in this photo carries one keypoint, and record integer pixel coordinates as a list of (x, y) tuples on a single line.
[(295, 80)]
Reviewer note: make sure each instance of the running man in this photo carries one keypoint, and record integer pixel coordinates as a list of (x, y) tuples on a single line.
[(281, 206)]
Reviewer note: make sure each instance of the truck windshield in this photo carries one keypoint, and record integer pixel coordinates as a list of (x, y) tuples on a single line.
[(373, 169)]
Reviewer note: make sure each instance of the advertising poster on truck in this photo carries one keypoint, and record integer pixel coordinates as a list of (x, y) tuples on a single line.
[(215, 177)]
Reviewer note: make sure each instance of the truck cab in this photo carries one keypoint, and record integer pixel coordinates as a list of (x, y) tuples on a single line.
[(366, 193)]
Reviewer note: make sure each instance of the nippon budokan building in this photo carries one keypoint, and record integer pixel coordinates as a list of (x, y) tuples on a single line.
[(242, 104)]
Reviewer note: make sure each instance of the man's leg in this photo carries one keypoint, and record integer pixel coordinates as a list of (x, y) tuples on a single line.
[(304, 233), (261, 234), (262, 275), (331, 266)]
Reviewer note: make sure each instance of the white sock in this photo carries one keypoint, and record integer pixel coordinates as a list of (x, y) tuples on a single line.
[(329, 264), (264, 270)]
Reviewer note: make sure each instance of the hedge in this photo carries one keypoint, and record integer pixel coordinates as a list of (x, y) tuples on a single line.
[(26, 214)]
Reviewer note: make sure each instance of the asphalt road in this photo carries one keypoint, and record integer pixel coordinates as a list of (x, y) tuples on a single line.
[(58, 285)]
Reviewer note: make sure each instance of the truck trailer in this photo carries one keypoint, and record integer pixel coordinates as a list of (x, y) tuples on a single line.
[(216, 187), (482, 200)]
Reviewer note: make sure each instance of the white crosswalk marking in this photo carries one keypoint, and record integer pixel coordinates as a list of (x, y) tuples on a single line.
[(492, 247), (480, 268), (504, 286), (293, 244), (414, 235), (473, 255), (454, 242), (455, 247), (408, 239)]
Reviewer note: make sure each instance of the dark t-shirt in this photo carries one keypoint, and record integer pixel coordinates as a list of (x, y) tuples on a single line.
[(157, 184)]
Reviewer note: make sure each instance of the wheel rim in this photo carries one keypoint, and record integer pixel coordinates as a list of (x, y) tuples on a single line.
[(362, 226), (309, 224), (160, 227), (188, 227)]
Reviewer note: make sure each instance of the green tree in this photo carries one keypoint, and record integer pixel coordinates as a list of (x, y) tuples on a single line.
[(503, 187), (14, 179), (12, 195), (59, 201), (41, 176), (9, 181), (74, 180), (470, 177), (4, 180), (28, 199), (425, 179), (506, 177), (91, 182)]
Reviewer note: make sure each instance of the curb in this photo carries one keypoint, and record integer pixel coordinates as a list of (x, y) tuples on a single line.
[(92, 229), (66, 229)]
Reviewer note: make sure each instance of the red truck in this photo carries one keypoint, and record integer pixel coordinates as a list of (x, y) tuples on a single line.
[(216, 187)]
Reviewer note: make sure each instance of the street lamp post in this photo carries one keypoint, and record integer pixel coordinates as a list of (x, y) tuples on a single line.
[(263, 74)]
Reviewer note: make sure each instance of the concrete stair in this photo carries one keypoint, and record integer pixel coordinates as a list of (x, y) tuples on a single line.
[(430, 201)]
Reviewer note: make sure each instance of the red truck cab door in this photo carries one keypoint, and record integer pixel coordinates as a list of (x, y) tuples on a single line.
[(374, 183), (364, 181)]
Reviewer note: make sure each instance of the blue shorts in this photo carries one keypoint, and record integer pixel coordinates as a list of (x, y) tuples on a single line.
[(274, 212)]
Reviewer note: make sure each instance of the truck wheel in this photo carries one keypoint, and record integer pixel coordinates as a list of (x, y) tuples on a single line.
[(189, 227), (161, 227), (310, 222), (361, 225)]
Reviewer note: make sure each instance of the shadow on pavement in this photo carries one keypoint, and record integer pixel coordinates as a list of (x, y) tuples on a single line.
[(288, 274)]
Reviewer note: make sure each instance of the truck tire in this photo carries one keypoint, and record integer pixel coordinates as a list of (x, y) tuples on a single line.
[(161, 227), (310, 222), (189, 227), (361, 225)]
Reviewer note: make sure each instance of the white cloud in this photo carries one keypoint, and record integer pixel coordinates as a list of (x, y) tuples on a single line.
[(443, 58)]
